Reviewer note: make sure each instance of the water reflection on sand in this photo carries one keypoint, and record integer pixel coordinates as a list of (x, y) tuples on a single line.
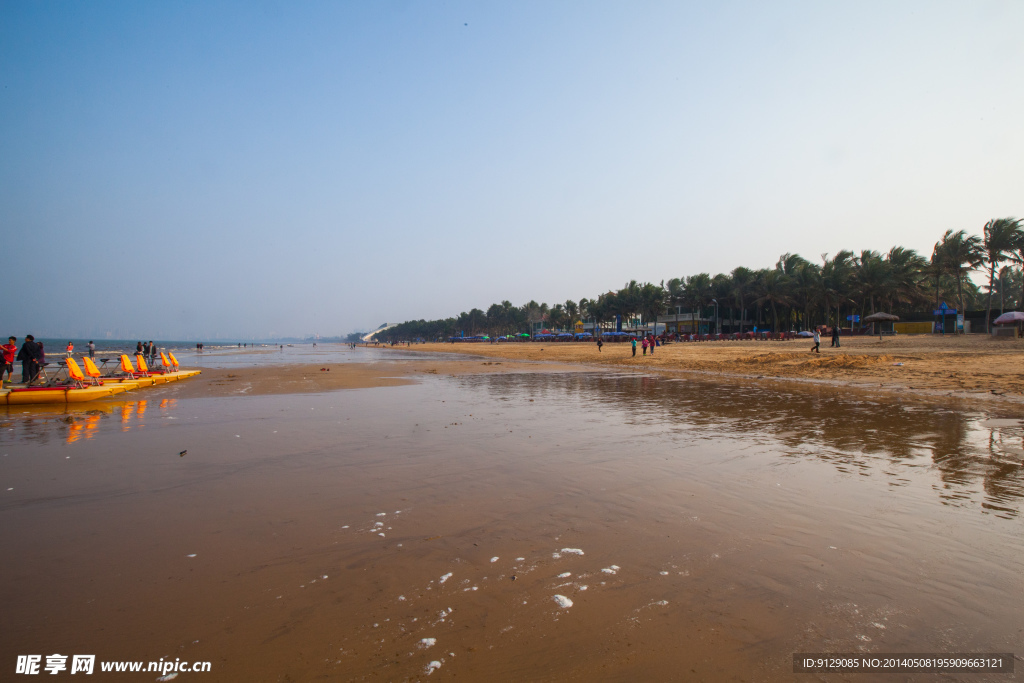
[(979, 457), (511, 527)]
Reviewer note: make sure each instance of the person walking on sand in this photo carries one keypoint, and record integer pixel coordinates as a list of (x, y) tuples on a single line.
[(835, 336), (643, 344), (817, 342), (633, 340), (653, 343), (599, 344)]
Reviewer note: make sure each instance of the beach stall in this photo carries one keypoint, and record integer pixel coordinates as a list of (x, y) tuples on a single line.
[(1011, 324)]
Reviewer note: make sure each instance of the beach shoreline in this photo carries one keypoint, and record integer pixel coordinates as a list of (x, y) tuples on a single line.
[(966, 367)]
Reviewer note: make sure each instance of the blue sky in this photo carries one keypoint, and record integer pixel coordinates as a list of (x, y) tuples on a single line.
[(193, 169)]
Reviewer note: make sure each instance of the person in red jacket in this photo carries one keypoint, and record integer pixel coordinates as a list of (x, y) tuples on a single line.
[(8, 350)]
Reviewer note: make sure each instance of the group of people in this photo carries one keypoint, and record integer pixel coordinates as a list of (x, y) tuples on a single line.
[(32, 357), (646, 342), (817, 339), (148, 351)]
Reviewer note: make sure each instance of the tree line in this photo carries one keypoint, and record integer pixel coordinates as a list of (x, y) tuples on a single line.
[(795, 292)]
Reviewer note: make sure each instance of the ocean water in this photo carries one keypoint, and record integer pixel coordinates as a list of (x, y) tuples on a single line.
[(232, 355), (524, 526)]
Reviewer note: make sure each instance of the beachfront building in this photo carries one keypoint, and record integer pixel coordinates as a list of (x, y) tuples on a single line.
[(682, 321)]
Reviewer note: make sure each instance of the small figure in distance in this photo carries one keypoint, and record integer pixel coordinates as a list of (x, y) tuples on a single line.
[(633, 342), (599, 344), (92, 349), (817, 342), (8, 350), (70, 349), (644, 345), (835, 336)]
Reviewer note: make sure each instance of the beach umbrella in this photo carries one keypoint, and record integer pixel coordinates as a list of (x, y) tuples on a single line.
[(881, 317), (1009, 318)]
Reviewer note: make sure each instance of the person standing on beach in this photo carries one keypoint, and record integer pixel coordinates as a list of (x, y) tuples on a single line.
[(643, 344), (92, 349), (9, 350), (835, 336), (653, 343), (139, 350), (817, 342), (29, 357), (634, 346), (599, 344)]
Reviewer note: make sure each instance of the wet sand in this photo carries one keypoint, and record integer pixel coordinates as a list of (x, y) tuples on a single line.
[(336, 533), (971, 366), (261, 380)]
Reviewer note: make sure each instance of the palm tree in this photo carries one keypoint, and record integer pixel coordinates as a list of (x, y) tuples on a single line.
[(937, 267), (871, 276), (1008, 284), (742, 285), (1002, 236), (556, 317), (625, 302), (960, 255), (806, 288), (721, 289), (836, 275), (676, 292), (598, 309), (788, 264), (774, 286), (652, 303), (906, 272), (697, 295), (572, 311), (533, 313)]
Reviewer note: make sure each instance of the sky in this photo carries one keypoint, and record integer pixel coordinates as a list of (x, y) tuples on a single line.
[(189, 170)]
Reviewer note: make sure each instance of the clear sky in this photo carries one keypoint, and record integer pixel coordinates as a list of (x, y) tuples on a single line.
[(252, 169)]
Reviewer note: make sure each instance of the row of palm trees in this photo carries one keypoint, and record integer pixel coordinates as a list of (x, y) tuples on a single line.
[(795, 291)]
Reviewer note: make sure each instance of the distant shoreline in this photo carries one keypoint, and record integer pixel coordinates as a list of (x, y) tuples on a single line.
[(959, 367)]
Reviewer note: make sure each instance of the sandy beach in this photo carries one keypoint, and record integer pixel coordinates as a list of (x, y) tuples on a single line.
[(972, 366), (447, 516)]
